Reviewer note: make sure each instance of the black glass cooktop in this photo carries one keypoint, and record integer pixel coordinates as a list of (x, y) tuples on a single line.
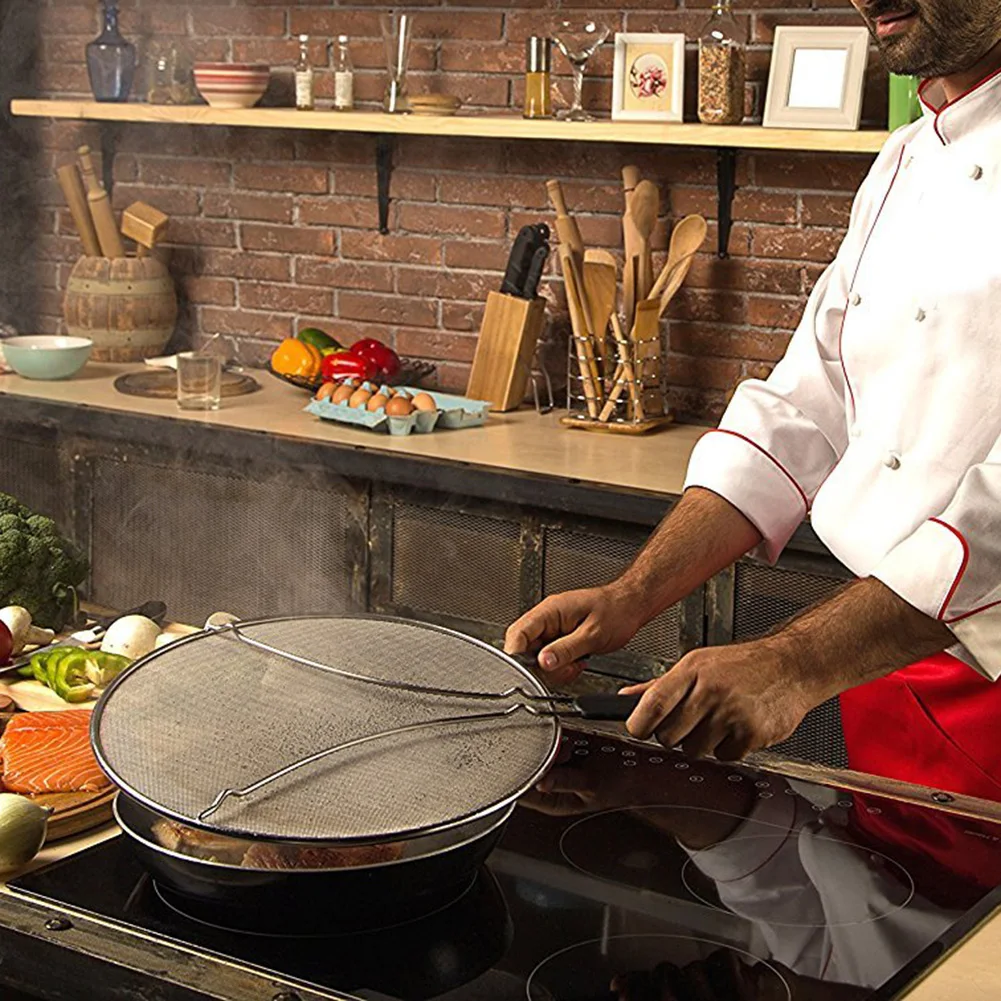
[(632, 874)]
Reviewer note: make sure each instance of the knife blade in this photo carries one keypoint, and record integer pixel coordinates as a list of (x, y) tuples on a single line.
[(535, 269)]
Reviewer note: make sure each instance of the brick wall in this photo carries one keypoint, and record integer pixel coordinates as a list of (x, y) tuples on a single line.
[(274, 229)]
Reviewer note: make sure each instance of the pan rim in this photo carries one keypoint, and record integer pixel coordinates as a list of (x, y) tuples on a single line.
[(504, 814), (509, 799)]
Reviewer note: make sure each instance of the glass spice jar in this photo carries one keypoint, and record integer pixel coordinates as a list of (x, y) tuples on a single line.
[(538, 78), (722, 67)]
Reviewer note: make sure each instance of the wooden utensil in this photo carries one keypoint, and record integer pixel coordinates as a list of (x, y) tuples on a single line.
[(566, 225), (144, 224), (601, 288), (687, 238), (644, 208), (630, 243), (625, 376), (582, 338), (76, 199), (646, 341), (100, 209)]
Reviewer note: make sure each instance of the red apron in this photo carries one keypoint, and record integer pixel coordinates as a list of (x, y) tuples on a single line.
[(934, 724)]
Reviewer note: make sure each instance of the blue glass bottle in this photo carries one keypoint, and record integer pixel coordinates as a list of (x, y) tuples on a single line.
[(111, 60)]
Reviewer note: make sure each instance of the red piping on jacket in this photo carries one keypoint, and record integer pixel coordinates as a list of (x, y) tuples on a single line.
[(754, 444), (858, 267), (967, 615), (948, 104), (962, 567)]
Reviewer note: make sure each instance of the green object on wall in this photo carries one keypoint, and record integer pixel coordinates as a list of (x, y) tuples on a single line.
[(905, 107)]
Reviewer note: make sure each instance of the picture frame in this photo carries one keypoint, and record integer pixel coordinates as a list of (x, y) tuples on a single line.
[(648, 82), (816, 78)]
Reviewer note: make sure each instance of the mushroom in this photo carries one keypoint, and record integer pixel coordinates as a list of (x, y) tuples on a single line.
[(23, 633)]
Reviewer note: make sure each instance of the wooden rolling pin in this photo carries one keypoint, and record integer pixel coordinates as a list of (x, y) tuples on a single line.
[(145, 225), (100, 209), (76, 199)]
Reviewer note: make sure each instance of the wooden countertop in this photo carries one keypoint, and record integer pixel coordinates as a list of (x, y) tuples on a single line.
[(522, 441)]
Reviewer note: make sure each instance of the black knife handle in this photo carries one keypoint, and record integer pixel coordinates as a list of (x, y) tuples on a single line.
[(603, 706), (535, 270), (517, 264)]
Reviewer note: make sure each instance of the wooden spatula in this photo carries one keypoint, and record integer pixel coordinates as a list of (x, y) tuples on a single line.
[(644, 209), (601, 289)]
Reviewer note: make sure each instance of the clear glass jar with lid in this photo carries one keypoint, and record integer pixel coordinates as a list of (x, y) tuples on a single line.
[(722, 67)]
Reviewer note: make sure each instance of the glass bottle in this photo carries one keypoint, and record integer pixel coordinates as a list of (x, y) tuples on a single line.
[(344, 76), (304, 97), (111, 60), (722, 67), (538, 78)]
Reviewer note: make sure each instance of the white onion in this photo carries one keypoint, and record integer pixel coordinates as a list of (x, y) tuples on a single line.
[(22, 830)]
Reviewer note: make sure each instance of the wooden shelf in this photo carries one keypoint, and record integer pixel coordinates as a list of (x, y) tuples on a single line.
[(476, 126)]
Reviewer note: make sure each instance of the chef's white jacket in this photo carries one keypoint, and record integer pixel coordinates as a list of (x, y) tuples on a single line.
[(883, 421)]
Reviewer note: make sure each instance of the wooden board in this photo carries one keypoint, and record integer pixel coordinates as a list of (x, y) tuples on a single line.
[(76, 812), (611, 427), (162, 384)]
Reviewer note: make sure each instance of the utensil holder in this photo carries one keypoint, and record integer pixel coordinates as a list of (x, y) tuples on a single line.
[(508, 337), (634, 390)]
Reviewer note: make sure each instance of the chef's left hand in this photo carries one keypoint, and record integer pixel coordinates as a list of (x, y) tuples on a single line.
[(726, 701)]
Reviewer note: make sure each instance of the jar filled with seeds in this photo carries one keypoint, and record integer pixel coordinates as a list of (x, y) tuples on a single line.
[(722, 67)]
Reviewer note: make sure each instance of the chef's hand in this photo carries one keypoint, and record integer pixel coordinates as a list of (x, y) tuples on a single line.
[(726, 701), (567, 628)]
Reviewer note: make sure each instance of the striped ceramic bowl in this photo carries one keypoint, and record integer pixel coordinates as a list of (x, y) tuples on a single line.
[(232, 85)]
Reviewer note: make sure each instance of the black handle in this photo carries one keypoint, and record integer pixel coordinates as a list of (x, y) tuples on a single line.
[(603, 706), (535, 270), (517, 264), (155, 610)]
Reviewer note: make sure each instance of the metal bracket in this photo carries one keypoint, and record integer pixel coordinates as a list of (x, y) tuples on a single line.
[(726, 185), (110, 132), (384, 149)]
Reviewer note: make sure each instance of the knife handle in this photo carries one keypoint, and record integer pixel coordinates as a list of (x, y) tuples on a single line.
[(535, 270), (602, 706), (521, 252)]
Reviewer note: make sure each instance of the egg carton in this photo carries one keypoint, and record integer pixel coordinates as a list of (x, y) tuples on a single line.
[(453, 413)]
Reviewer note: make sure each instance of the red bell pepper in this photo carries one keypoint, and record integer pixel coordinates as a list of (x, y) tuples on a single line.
[(347, 365), (385, 359)]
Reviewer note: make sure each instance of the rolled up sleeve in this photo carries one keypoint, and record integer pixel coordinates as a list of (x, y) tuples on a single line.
[(780, 438), (950, 566)]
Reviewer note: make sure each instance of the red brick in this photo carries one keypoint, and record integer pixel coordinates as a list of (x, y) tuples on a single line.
[(285, 298), (285, 178), (703, 372), (231, 21), (461, 316), (286, 239), (338, 274), (443, 284), (482, 256), (360, 213), (390, 310), (451, 219), (234, 264), (233, 205), (774, 312), (796, 244), (200, 232), (208, 291), (173, 201), (243, 323), (184, 172), (826, 210), (402, 249), (436, 345)]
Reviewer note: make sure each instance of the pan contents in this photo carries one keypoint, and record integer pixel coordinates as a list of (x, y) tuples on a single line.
[(50, 752), (259, 855)]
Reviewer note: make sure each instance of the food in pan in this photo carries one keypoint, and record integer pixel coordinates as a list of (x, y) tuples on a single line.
[(50, 752), (260, 855)]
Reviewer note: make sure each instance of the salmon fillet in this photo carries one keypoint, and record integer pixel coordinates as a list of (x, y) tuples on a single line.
[(50, 720), (50, 759)]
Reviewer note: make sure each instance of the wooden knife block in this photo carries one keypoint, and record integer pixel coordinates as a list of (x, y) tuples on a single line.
[(503, 363)]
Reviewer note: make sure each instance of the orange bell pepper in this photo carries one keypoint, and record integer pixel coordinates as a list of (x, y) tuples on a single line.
[(295, 357)]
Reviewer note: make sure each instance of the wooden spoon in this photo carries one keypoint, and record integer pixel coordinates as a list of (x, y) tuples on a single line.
[(687, 238), (600, 287), (644, 208)]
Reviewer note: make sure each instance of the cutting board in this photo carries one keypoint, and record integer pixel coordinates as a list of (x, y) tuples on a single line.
[(161, 384), (76, 812)]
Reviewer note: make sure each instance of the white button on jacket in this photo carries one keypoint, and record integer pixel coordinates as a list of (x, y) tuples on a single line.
[(931, 531)]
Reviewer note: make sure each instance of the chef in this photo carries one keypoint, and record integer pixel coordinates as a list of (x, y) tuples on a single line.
[(882, 424)]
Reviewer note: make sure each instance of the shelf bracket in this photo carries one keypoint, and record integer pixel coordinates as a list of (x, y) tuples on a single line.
[(726, 185), (384, 149), (110, 131)]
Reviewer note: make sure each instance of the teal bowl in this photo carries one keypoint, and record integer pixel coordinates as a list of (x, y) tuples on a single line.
[(46, 357)]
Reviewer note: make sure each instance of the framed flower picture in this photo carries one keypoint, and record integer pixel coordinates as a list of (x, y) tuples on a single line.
[(649, 77)]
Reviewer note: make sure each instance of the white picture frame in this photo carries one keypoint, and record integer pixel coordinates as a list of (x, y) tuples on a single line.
[(660, 59), (816, 78)]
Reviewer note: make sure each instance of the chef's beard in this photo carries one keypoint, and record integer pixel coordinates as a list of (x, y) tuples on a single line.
[(948, 36)]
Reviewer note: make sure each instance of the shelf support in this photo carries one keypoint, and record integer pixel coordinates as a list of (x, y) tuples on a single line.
[(726, 186), (110, 132), (384, 149)]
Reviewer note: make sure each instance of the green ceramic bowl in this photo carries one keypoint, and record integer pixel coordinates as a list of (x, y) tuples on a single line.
[(46, 357)]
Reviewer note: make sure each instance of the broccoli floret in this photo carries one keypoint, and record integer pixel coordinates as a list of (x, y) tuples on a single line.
[(39, 569)]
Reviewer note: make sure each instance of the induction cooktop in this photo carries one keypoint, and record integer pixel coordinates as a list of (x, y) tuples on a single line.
[(629, 874)]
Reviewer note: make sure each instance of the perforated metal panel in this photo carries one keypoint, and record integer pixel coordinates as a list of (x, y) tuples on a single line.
[(205, 542), (456, 564), (576, 560), (765, 597), (30, 470)]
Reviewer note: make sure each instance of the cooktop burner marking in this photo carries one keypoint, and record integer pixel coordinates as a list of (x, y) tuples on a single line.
[(874, 860), (642, 950)]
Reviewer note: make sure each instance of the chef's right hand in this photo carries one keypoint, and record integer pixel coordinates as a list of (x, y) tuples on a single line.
[(567, 628)]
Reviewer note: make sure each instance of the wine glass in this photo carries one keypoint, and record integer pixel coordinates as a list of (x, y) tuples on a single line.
[(397, 37), (578, 41)]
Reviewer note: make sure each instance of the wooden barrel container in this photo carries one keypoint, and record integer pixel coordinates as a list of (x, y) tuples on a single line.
[(126, 306)]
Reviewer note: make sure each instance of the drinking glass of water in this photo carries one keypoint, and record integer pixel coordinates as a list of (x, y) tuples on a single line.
[(199, 381)]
